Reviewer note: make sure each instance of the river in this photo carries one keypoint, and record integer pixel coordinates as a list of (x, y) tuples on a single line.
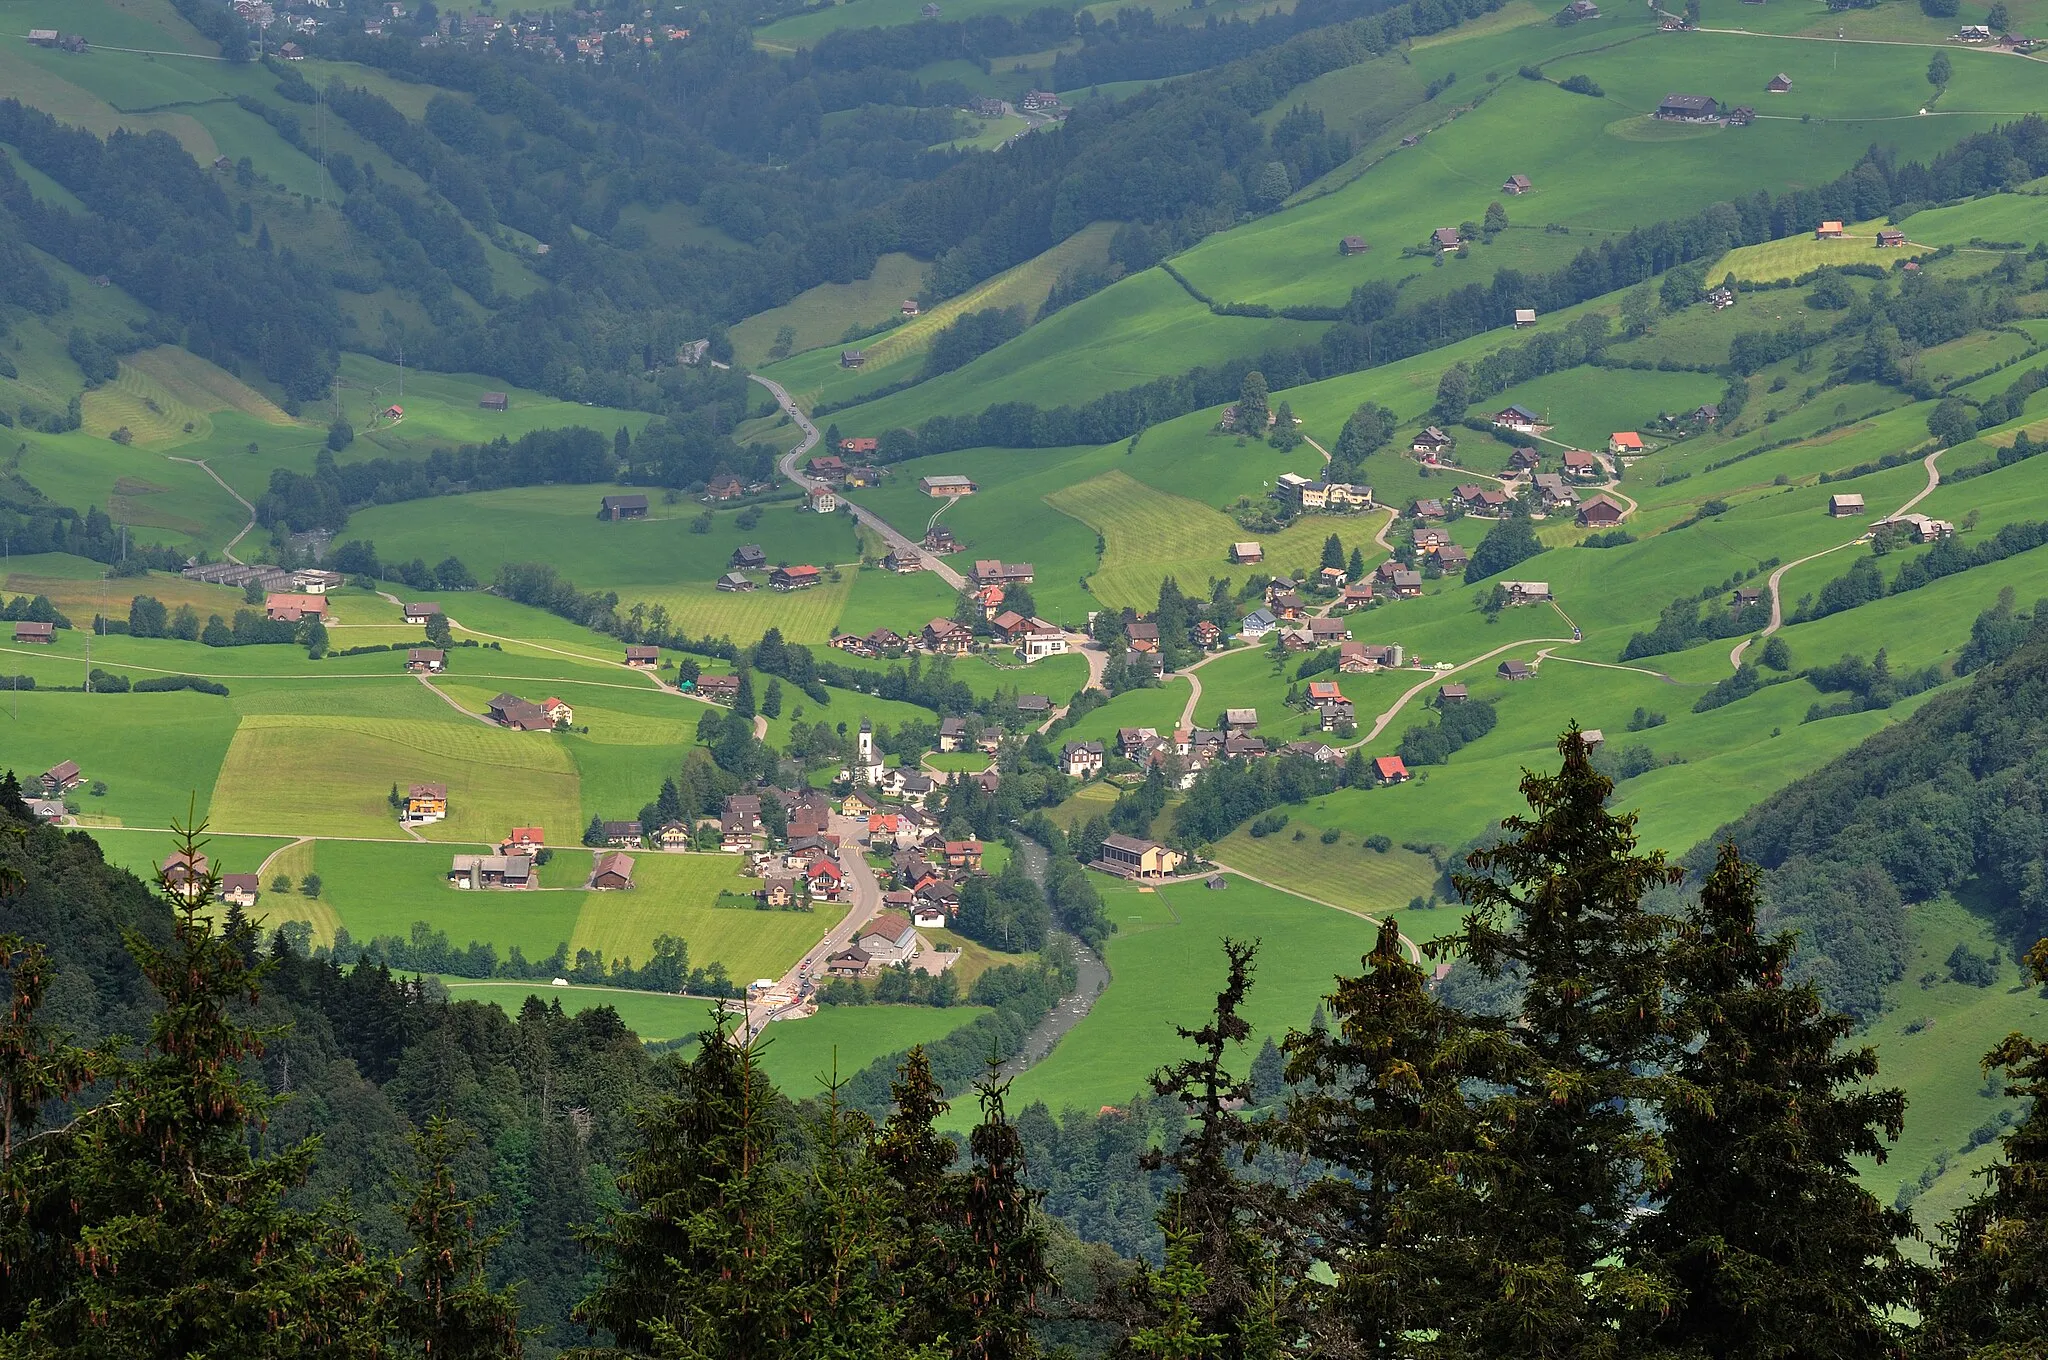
[(1092, 972)]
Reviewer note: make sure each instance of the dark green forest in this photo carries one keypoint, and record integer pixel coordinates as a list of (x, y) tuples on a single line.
[(215, 1145)]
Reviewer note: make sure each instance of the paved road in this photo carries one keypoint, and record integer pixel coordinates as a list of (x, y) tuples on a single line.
[(865, 894), (865, 516)]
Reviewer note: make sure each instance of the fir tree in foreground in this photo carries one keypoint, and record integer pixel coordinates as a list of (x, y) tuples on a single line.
[(444, 1308)]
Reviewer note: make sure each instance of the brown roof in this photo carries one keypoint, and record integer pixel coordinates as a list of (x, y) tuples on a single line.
[(617, 862)]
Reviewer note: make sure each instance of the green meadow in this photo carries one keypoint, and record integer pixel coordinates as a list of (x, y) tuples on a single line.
[(799, 1055)]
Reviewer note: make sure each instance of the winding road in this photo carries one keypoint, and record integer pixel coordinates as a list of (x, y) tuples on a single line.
[(229, 551)]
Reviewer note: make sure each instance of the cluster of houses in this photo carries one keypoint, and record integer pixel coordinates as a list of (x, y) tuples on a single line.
[(991, 580), (751, 557), (1702, 108), (1296, 489), (45, 793), (185, 873), (523, 715)]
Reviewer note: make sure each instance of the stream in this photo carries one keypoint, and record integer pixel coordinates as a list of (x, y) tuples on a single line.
[(1093, 977)]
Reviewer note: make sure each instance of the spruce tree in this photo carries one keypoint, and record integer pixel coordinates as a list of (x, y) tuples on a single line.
[(444, 1308), (1559, 902), (1772, 1243), (1990, 1299), (1333, 552), (1003, 1262), (924, 1203)]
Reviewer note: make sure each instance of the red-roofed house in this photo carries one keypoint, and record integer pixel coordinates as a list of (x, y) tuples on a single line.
[(1390, 770), (1624, 441)]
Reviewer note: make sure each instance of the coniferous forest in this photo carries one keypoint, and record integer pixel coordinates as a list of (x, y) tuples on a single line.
[(213, 1145)]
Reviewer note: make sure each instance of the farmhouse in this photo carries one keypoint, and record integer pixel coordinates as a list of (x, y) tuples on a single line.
[(1407, 584), (1778, 84), (1600, 512), (282, 607), (1451, 694), (1552, 491), (1356, 595), (612, 872), (733, 583), (1390, 770), (1524, 459), (1446, 238), (749, 557), (947, 484), (903, 561), (523, 840), (184, 873), (1081, 759), (623, 507), (426, 660), (1034, 705), (509, 710), (61, 778), (721, 689), (989, 572), (1721, 298), (943, 637), (1974, 33), (852, 358), (828, 467), (1514, 670), (822, 499), (1828, 231), (1624, 443), (1889, 237), (1518, 418), (41, 634), (1843, 504), (794, 578), (1426, 509), (1524, 316), (1452, 555), (420, 612), (1516, 184), (1527, 592), (240, 889), (1691, 108), (1433, 443), (1352, 245), (724, 487), (491, 871), (425, 803), (1240, 553), (624, 835), (952, 734), (642, 657), (1581, 465), (1129, 857)]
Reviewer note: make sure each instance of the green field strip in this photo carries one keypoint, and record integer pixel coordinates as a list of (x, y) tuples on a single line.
[(673, 895)]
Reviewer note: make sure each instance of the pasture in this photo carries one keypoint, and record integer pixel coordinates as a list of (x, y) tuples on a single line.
[(657, 1017), (823, 315), (673, 895), (799, 1055)]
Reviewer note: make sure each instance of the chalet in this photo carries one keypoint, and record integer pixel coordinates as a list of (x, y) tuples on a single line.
[(640, 656), (989, 572), (1239, 720), (240, 889), (903, 561), (1286, 605), (1356, 595), (749, 557), (725, 487), (1622, 443), (1447, 238), (1258, 623), (623, 507), (822, 499), (41, 634), (794, 578), (1516, 184), (494, 401), (1581, 465), (1390, 770), (1600, 512), (1451, 694), (1778, 84), (421, 611), (852, 358), (910, 307), (1081, 759), (509, 710), (1888, 237), (825, 879), (1407, 584), (1129, 857), (1134, 742), (1704, 415), (558, 711), (61, 778), (733, 583), (943, 637), (291, 51), (622, 835), (953, 734), (1844, 504), (1034, 705), (1974, 33), (828, 467), (426, 660), (963, 855), (425, 803), (1922, 529), (1433, 443), (1426, 509), (523, 840), (1829, 231), (1243, 553), (612, 872), (1514, 670), (1142, 635), (1527, 592), (184, 873), (720, 689), (1689, 108), (1452, 555), (282, 607), (1518, 418), (865, 447), (850, 962), (1352, 245), (777, 890), (1429, 540), (1552, 491), (927, 915), (1524, 316), (947, 484)]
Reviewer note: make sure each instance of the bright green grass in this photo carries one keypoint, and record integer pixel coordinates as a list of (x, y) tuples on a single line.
[(1158, 708), (821, 315), (384, 888), (1165, 971), (139, 852), (965, 762), (1345, 874), (1797, 255), (1148, 534), (559, 524), (673, 895), (309, 774), (1056, 677), (441, 409), (886, 599), (2001, 217), (1938, 1066), (1585, 405), (156, 752), (798, 1054), (656, 1017)]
